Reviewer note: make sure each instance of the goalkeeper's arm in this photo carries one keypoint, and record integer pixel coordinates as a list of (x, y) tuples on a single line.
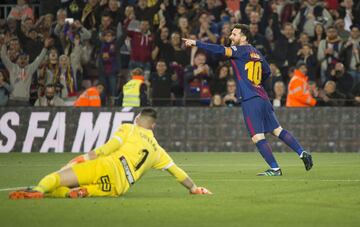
[(186, 181), (109, 147)]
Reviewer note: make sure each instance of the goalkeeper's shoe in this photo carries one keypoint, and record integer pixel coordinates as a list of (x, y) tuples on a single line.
[(307, 159), (271, 173), (200, 191), (78, 193), (26, 194)]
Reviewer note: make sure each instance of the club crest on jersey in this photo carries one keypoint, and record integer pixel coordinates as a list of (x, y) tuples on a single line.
[(234, 48), (254, 55)]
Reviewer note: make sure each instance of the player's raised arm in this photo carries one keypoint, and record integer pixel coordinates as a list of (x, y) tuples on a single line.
[(239, 36), (213, 48)]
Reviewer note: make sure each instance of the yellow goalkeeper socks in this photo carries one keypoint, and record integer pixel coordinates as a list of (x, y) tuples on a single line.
[(60, 192), (48, 183)]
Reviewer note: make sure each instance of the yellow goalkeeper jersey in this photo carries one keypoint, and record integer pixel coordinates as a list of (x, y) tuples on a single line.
[(132, 150)]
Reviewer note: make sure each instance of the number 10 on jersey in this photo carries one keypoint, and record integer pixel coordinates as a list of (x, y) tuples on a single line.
[(254, 71)]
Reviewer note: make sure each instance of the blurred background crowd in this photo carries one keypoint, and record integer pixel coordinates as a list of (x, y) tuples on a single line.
[(130, 52)]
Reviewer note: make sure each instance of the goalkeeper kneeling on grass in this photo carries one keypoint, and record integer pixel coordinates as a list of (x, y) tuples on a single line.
[(110, 170)]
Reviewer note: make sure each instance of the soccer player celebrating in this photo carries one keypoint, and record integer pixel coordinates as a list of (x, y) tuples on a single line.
[(111, 169), (251, 70)]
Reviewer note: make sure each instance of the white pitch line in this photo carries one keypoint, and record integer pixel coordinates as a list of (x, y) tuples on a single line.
[(13, 189), (269, 180), (232, 180), (287, 180)]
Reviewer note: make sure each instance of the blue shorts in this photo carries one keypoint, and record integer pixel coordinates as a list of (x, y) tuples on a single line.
[(259, 116)]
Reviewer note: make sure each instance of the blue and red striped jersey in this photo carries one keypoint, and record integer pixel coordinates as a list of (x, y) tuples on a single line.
[(249, 65)]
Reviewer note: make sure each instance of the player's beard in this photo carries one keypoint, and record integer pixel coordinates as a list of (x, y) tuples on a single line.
[(235, 43)]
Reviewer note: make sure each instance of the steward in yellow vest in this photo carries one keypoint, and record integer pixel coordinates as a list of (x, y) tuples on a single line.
[(134, 91)]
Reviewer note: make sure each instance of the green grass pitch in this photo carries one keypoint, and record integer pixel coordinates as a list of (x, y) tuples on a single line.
[(328, 195)]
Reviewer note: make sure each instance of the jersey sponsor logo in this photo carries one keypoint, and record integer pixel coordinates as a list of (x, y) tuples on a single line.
[(128, 174)]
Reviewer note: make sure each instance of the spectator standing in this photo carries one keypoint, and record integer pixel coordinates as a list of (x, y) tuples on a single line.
[(329, 51), (311, 14), (141, 47), (286, 49), (21, 11), (161, 85), (197, 79), (143, 12), (340, 26), (90, 15), (108, 67), (30, 41), (162, 46), (178, 54), (306, 54), (21, 74), (346, 13), (259, 41), (350, 55), (319, 34), (67, 77), (90, 97), (298, 89), (134, 93)]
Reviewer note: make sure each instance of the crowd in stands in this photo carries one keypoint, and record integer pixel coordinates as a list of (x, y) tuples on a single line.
[(53, 52)]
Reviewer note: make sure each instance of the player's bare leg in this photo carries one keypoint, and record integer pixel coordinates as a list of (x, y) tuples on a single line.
[(291, 141), (266, 152)]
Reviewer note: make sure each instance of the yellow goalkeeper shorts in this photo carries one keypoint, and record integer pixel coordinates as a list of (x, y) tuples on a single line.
[(97, 176)]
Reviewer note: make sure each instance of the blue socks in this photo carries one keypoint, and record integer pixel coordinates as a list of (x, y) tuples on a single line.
[(290, 140), (265, 150)]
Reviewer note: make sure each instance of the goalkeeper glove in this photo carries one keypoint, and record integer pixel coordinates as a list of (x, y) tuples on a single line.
[(79, 159), (76, 160), (200, 191)]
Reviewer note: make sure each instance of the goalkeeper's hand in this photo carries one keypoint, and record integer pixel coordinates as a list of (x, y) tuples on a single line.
[(200, 191)]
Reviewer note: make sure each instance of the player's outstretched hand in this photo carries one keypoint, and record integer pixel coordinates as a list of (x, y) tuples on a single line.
[(189, 42), (200, 191)]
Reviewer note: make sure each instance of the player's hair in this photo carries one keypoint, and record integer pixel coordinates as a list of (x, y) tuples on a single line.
[(149, 112), (245, 30)]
